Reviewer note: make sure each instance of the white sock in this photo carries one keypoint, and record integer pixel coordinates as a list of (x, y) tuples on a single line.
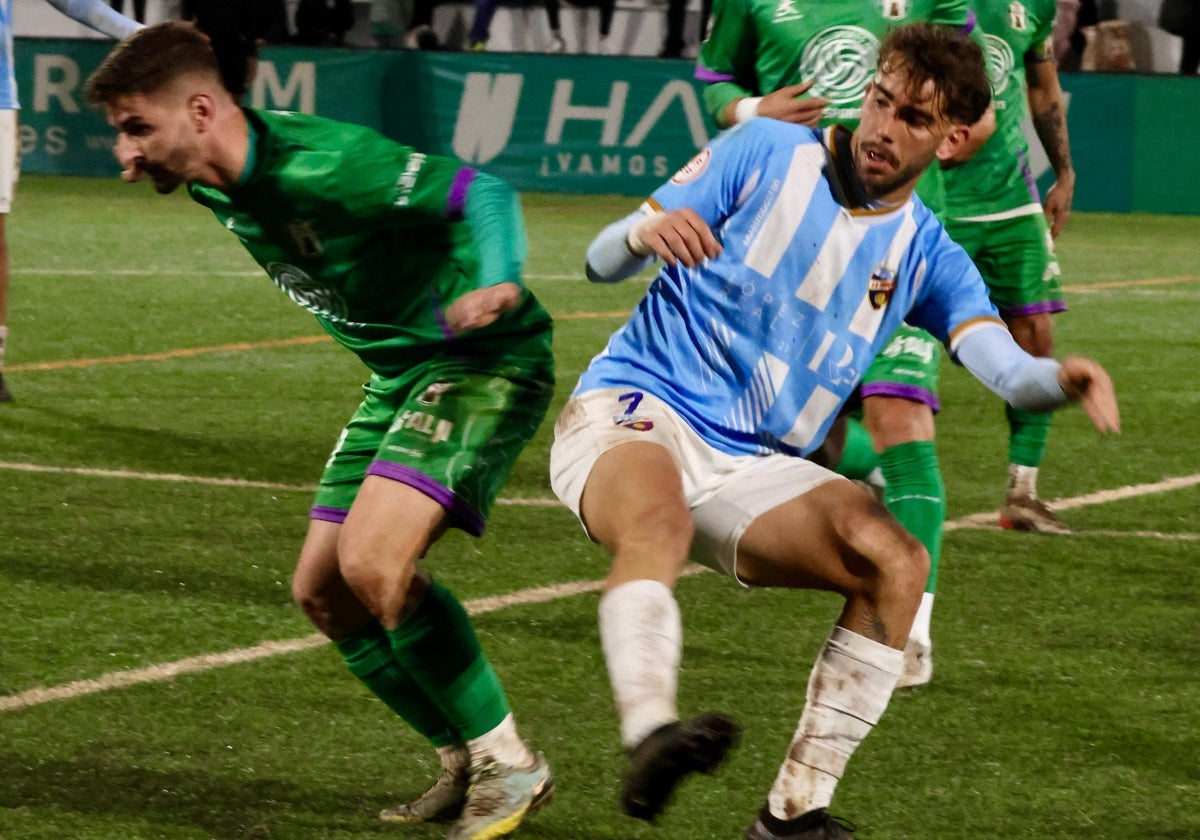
[(3, 343), (848, 690), (501, 744), (642, 636), (1022, 480), (455, 758), (920, 626)]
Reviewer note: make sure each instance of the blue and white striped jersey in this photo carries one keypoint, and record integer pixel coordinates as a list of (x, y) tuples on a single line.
[(759, 348), (8, 76)]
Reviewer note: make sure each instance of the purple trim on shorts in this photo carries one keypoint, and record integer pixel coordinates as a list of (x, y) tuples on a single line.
[(1050, 306), (328, 514), (1027, 174), (705, 75), (913, 393), (469, 520), (456, 202), (971, 23), (443, 324)]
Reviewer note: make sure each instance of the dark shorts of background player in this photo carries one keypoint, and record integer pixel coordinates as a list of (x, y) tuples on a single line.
[(450, 429)]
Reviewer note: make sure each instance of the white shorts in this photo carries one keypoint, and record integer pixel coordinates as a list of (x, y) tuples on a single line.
[(725, 492), (9, 167)]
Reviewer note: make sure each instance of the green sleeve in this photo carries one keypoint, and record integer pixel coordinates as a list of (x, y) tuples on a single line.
[(493, 212), (727, 58)]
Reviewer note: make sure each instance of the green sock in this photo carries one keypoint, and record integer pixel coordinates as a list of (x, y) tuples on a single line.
[(368, 655), (438, 647), (916, 496), (858, 455), (1027, 435)]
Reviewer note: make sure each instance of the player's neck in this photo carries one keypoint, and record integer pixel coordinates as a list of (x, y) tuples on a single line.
[(229, 152)]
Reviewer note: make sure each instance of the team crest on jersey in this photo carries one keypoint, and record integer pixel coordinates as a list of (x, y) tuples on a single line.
[(881, 286), (693, 169), (786, 10), (305, 238), (1017, 18), (895, 9)]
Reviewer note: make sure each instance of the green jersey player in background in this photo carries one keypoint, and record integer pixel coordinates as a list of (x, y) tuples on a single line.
[(414, 263), (809, 63), (990, 206)]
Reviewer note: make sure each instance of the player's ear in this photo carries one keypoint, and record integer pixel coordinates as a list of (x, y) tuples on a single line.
[(201, 110), (964, 141)]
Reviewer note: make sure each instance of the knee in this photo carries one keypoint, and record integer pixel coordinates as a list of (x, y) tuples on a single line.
[(665, 526), (890, 561)]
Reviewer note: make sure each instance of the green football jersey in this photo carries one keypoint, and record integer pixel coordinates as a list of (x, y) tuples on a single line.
[(758, 46), (368, 236), (998, 179)]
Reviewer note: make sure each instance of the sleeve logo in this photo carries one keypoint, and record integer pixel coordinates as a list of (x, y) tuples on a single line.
[(693, 169)]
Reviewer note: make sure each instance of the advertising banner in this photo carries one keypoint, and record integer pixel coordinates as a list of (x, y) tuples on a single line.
[(592, 124)]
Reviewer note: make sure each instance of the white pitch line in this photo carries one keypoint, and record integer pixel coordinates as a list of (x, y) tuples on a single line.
[(207, 662), (211, 481)]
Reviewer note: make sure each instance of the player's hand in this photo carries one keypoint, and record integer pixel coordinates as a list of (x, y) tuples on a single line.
[(678, 236), (480, 307), (1085, 382), (791, 105), (1058, 203)]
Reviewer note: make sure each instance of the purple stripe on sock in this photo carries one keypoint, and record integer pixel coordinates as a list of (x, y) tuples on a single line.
[(1027, 173), (328, 514), (705, 75), (1035, 308), (456, 202), (468, 519), (913, 393)]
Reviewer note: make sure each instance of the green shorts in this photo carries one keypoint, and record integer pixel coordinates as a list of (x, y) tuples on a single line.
[(1016, 258), (907, 367), (449, 429)]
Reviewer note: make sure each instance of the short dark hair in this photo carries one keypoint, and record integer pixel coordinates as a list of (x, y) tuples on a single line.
[(151, 59), (946, 56)]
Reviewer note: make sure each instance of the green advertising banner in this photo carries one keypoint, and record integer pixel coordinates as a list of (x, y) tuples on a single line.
[(591, 124)]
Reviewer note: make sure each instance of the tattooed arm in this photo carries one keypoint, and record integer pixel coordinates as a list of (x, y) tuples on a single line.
[(1049, 114)]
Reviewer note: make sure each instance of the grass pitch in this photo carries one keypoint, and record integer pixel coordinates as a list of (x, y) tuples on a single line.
[(174, 410)]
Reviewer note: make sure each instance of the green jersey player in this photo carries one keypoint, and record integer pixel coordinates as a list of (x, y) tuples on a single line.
[(990, 206), (412, 262), (809, 63)]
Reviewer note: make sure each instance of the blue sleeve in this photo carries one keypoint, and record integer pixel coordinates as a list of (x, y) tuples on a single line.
[(1027, 382), (98, 15), (952, 292), (712, 183)]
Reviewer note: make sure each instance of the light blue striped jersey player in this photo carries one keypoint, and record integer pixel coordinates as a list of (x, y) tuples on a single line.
[(758, 348)]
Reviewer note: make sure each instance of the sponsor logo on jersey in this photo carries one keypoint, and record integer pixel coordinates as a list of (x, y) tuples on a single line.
[(841, 60), (895, 9), (408, 179), (693, 169), (1017, 18), (881, 286), (786, 10), (304, 290), (998, 56)]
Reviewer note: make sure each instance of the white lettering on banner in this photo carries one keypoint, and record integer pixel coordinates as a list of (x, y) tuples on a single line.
[(298, 94), (55, 77), (686, 94), (562, 110), (567, 163), (486, 114)]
